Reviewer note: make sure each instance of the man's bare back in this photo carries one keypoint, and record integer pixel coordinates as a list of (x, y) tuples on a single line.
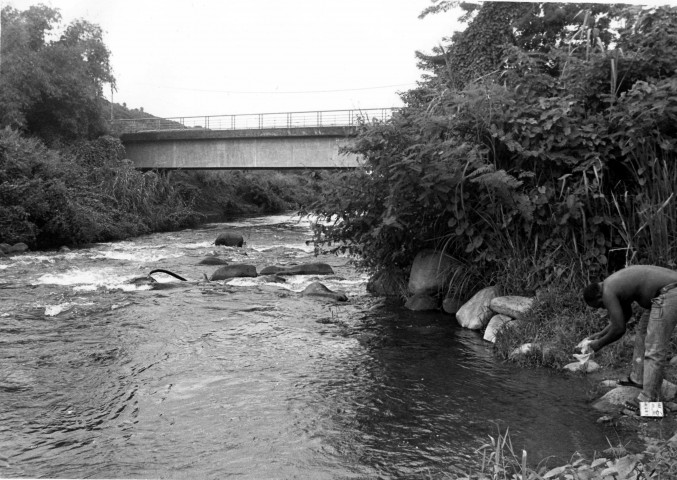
[(638, 283)]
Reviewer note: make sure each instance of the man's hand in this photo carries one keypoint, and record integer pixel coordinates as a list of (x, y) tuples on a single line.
[(584, 347)]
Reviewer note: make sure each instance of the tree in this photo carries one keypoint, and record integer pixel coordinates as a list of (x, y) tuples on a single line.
[(548, 151), (52, 88)]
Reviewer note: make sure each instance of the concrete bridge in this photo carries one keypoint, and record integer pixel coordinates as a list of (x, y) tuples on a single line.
[(291, 140)]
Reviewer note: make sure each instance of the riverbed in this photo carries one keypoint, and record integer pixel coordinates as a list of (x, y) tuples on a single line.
[(103, 377)]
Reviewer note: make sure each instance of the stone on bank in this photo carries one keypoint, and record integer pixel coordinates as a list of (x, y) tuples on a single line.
[(513, 306), (430, 272), (475, 313), (496, 323)]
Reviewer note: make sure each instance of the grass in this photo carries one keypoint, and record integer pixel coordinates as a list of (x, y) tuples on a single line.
[(500, 461), (559, 320)]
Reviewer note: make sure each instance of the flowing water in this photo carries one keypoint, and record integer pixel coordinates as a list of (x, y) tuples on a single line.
[(104, 378)]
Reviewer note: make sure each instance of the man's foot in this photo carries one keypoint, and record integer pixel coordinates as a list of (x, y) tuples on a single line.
[(630, 408), (627, 382)]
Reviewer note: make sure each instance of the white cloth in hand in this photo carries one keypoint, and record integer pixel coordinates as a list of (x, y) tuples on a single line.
[(585, 347)]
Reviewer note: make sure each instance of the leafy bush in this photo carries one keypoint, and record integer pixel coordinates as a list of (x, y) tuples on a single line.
[(546, 164), (81, 195), (222, 195)]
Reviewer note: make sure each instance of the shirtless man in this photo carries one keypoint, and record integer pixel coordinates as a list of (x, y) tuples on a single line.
[(655, 290)]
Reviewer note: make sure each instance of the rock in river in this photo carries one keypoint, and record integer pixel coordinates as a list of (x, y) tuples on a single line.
[(303, 269), (317, 289), (229, 239), (233, 271)]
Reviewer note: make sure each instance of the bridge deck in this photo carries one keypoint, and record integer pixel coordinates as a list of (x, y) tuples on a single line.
[(296, 140)]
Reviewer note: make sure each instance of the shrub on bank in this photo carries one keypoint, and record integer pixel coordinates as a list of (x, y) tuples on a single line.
[(82, 194), (222, 195), (558, 158), (86, 192)]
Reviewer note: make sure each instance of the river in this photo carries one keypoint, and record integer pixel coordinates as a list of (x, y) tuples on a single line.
[(103, 378)]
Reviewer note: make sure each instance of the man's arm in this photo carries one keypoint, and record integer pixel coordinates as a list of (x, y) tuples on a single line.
[(601, 333), (618, 317)]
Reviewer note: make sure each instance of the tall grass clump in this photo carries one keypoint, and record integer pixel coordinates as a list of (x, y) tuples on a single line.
[(499, 460)]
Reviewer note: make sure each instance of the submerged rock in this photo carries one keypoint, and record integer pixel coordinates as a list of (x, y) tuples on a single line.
[(212, 261), (421, 302), (303, 269), (274, 279), (317, 289), (234, 270), (451, 305)]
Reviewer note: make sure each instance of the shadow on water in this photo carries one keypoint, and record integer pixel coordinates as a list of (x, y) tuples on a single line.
[(432, 393)]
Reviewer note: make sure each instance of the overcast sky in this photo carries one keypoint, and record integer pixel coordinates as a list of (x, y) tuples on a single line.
[(212, 57)]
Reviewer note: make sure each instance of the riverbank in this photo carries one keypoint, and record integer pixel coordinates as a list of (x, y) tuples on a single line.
[(558, 320), (87, 192)]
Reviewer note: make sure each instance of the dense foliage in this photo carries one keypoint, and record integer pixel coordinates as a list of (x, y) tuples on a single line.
[(84, 194), (541, 146), (51, 83), (62, 181)]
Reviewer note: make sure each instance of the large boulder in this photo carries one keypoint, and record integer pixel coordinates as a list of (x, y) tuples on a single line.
[(233, 271), (18, 248), (421, 302), (475, 313), (512, 306), (496, 323), (430, 272), (613, 399), (229, 239), (317, 289), (303, 269)]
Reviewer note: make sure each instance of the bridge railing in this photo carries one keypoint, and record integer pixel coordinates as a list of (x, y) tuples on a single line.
[(320, 118)]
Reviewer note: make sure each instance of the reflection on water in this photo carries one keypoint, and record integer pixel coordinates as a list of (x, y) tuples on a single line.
[(248, 378)]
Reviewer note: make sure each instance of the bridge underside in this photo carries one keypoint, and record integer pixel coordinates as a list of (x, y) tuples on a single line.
[(305, 148)]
